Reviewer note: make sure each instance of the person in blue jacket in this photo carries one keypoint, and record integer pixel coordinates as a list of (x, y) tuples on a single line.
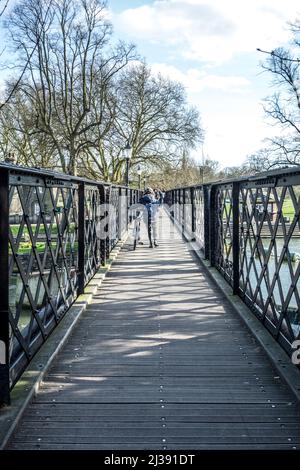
[(150, 214)]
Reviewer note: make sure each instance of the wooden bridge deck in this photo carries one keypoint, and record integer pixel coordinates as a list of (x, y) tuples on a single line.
[(160, 361)]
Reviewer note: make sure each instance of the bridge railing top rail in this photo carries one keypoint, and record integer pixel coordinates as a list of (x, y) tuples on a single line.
[(273, 175), (42, 173)]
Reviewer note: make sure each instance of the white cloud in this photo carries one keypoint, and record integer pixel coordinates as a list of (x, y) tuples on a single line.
[(230, 136), (209, 33), (232, 118), (196, 81), (214, 30), (231, 113)]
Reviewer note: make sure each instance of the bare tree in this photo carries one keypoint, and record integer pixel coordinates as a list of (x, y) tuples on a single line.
[(262, 160), (152, 114), (77, 98), (22, 68), (283, 107), (64, 47), (3, 6), (19, 136)]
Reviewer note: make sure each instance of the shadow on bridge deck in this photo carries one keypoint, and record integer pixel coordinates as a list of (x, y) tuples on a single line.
[(160, 360)]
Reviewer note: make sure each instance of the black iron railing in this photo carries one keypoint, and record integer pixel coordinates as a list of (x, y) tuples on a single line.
[(249, 229), (55, 233)]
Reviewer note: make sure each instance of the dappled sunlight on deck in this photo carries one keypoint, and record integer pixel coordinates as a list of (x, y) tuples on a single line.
[(160, 360)]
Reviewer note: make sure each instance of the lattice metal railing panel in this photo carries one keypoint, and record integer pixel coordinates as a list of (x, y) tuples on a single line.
[(176, 204), (92, 247), (250, 231), (114, 216), (224, 231), (56, 230), (123, 210), (199, 215), (270, 255), (180, 205), (43, 237), (187, 211)]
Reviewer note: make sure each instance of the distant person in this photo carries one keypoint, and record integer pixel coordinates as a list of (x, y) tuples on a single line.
[(159, 194), (162, 195), (150, 214)]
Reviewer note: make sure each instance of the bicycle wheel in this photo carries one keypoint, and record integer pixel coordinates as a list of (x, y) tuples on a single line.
[(136, 234), (134, 242)]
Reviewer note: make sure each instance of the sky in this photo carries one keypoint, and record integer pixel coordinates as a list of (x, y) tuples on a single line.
[(210, 46)]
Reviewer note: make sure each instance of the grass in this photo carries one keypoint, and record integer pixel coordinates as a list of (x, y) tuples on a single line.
[(15, 230), (288, 209), (26, 247)]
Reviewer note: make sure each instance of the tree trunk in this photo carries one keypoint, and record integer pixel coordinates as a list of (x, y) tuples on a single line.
[(72, 167)]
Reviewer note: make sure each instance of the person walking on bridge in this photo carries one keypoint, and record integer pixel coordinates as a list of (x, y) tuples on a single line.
[(150, 214)]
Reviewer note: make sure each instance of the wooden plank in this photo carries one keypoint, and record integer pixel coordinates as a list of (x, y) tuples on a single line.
[(151, 436), (113, 446), (259, 371), (160, 361)]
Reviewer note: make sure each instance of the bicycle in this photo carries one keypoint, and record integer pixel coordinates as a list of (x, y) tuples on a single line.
[(136, 230)]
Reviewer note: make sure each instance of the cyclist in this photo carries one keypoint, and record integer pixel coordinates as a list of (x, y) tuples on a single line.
[(150, 214)]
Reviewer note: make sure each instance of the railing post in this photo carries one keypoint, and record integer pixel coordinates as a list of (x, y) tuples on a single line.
[(172, 203), (235, 237), (127, 208), (212, 225), (107, 225), (120, 215), (81, 238), (177, 207), (206, 212), (102, 194), (130, 196), (183, 211), (4, 288), (131, 202), (193, 209), (175, 204)]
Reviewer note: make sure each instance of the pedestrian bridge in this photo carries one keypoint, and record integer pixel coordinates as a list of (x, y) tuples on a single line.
[(172, 351)]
